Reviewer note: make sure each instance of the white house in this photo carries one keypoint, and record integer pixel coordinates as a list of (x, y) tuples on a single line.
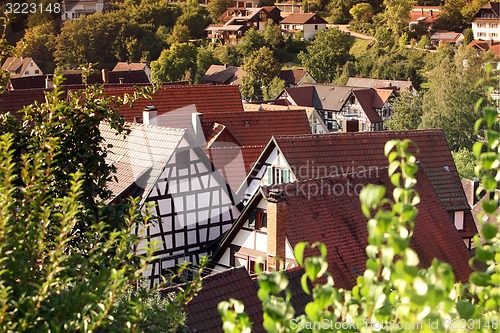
[(73, 9), (165, 166), (308, 23), (21, 67), (486, 23)]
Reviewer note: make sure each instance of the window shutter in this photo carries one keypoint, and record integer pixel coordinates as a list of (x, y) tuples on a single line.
[(270, 175), (286, 175)]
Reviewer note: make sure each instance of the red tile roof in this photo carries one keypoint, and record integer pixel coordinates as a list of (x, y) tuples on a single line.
[(202, 313), (366, 98), (15, 100), (322, 155), (328, 210), (247, 133), (207, 98)]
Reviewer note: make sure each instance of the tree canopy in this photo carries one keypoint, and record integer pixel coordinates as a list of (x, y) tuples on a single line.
[(326, 54)]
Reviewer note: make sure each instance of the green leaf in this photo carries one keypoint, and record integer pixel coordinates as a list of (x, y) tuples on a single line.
[(389, 146), (490, 115), (477, 149), (484, 253), (477, 124), (489, 231), (393, 166), (489, 206), (480, 279), (489, 160), (299, 252), (370, 196)]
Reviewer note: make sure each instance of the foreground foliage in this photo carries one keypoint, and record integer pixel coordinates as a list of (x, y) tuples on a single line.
[(394, 294)]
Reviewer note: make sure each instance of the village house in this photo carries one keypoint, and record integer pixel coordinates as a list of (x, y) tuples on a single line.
[(320, 177), (222, 74), (289, 7), (193, 205), (400, 85), (424, 16), (307, 23), (237, 21), (344, 108), (447, 37), (21, 67), (486, 28), (73, 9), (486, 23)]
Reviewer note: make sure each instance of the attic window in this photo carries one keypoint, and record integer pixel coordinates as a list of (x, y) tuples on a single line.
[(257, 219), (276, 175)]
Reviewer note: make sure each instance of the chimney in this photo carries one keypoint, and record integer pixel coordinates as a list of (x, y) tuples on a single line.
[(105, 76), (198, 134), (49, 82), (150, 115), (276, 229)]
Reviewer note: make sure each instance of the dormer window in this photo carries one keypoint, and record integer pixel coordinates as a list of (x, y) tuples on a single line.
[(277, 175)]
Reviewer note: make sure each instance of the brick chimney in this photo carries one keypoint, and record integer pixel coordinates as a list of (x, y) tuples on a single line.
[(150, 115), (276, 229)]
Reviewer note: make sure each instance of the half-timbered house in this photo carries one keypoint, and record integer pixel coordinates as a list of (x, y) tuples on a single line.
[(192, 203)]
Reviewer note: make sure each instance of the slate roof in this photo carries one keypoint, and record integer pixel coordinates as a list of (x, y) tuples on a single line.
[(330, 97), (376, 83), (303, 18), (140, 157), (207, 98), (74, 77), (334, 217), (202, 313), (490, 7), (292, 76)]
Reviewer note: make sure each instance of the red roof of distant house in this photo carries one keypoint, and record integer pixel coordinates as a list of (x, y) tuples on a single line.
[(366, 149), (202, 313), (486, 45), (303, 18), (207, 98), (322, 210)]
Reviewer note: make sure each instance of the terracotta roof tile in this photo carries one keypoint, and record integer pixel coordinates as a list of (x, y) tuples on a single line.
[(207, 98), (325, 210), (15, 100), (202, 313), (327, 154)]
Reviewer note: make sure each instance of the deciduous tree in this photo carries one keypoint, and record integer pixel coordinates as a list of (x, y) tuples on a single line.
[(174, 63), (406, 112), (326, 54)]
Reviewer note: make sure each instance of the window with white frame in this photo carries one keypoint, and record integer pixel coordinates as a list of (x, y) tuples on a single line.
[(277, 175)]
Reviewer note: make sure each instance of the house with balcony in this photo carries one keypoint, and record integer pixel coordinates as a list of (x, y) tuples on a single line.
[(237, 21), (486, 23), (73, 9)]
